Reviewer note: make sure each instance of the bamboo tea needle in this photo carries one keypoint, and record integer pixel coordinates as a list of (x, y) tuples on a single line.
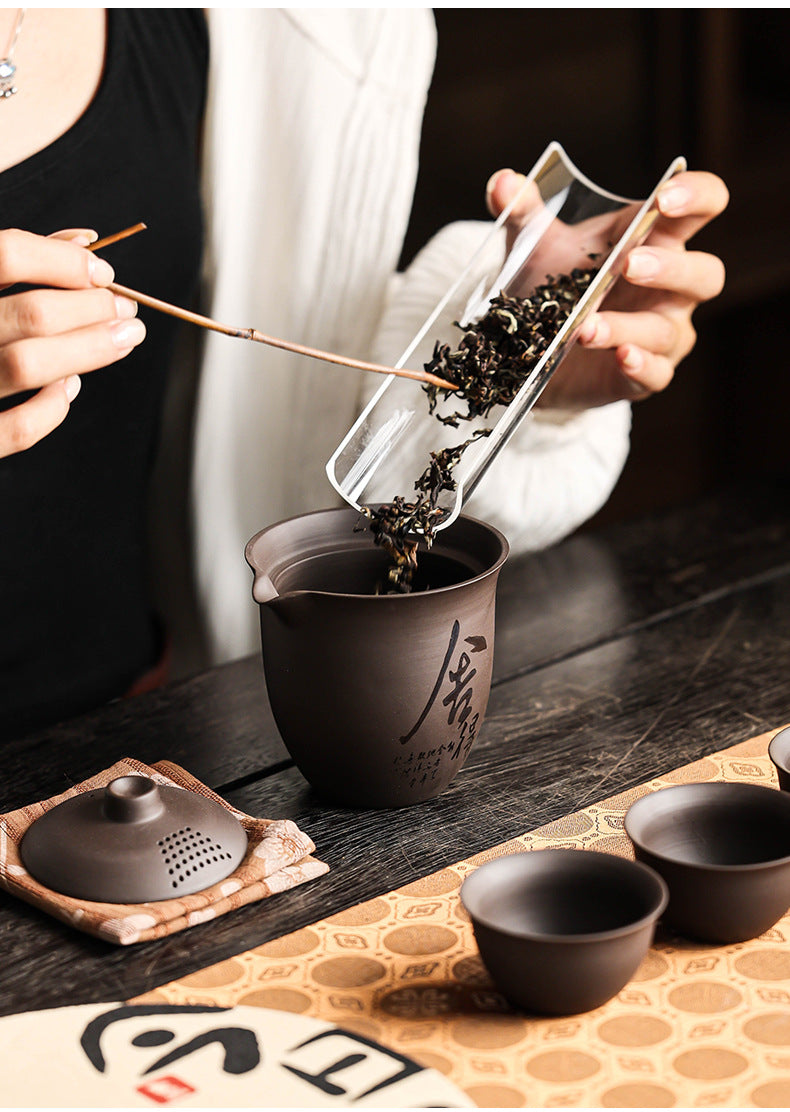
[(273, 341), (133, 230), (253, 333)]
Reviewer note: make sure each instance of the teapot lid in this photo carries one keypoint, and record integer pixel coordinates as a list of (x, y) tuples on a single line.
[(134, 841)]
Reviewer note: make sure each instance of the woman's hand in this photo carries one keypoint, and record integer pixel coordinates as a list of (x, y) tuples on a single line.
[(630, 348), (51, 335)]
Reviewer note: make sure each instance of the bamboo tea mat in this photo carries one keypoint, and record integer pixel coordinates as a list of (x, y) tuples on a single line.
[(698, 1026)]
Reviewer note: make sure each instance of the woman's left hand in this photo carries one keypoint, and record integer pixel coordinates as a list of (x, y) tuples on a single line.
[(630, 348)]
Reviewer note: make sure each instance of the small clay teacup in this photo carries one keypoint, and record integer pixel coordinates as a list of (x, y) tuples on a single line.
[(561, 931), (779, 752), (724, 851)]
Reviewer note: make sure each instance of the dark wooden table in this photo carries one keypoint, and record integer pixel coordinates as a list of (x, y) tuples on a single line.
[(620, 654)]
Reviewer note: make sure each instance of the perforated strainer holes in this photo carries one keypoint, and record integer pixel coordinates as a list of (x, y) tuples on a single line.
[(187, 851)]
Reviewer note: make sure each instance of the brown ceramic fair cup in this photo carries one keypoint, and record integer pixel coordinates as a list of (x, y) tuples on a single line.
[(378, 697)]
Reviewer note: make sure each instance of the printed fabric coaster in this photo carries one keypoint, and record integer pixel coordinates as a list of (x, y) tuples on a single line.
[(278, 858)]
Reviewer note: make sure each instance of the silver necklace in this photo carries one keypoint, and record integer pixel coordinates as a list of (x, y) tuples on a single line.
[(7, 67)]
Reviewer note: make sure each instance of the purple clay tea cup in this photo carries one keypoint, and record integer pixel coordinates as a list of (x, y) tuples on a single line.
[(779, 752), (378, 697), (561, 931), (723, 850)]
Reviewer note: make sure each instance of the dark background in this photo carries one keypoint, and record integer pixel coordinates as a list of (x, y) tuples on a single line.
[(625, 91)]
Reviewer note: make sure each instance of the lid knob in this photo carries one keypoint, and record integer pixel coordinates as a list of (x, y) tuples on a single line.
[(132, 799)]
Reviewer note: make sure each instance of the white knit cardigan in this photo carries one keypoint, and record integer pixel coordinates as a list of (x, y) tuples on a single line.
[(310, 162)]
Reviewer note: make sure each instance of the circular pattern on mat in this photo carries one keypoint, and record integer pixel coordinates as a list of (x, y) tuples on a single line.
[(446, 880), (617, 844), (471, 971), (572, 826), (704, 997), (215, 976), (563, 1065), (710, 1063), (491, 1032), (291, 946), (634, 1030), (281, 999), (705, 769), (774, 1094), (420, 940), (425, 1001), (495, 1096), (654, 965), (371, 912), (638, 1094), (772, 1029), (764, 965), (434, 1061), (348, 972)]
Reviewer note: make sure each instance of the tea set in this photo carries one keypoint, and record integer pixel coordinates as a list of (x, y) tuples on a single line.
[(379, 698)]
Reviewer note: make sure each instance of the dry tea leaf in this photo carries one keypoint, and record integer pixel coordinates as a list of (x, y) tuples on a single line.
[(490, 365)]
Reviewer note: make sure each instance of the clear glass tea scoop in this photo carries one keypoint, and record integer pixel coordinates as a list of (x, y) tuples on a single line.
[(567, 223)]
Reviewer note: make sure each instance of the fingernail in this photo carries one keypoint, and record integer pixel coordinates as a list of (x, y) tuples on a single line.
[(125, 307), (632, 359), (600, 332), (494, 179), (672, 199), (100, 271), (502, 176), (72, 387), (588, 330), (642, 263), (127, 333), (83, 237)]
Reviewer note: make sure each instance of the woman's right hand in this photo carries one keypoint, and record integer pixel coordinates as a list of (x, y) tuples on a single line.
[(52, 334)]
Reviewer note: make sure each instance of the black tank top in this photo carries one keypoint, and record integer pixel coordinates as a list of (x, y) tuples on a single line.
[(76, 620)]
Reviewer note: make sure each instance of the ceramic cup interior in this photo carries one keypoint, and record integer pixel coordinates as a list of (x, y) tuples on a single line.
[(779, 752), (724, 851), (562, 931)]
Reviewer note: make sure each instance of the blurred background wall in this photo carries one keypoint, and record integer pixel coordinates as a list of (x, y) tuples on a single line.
[(625, 91)]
